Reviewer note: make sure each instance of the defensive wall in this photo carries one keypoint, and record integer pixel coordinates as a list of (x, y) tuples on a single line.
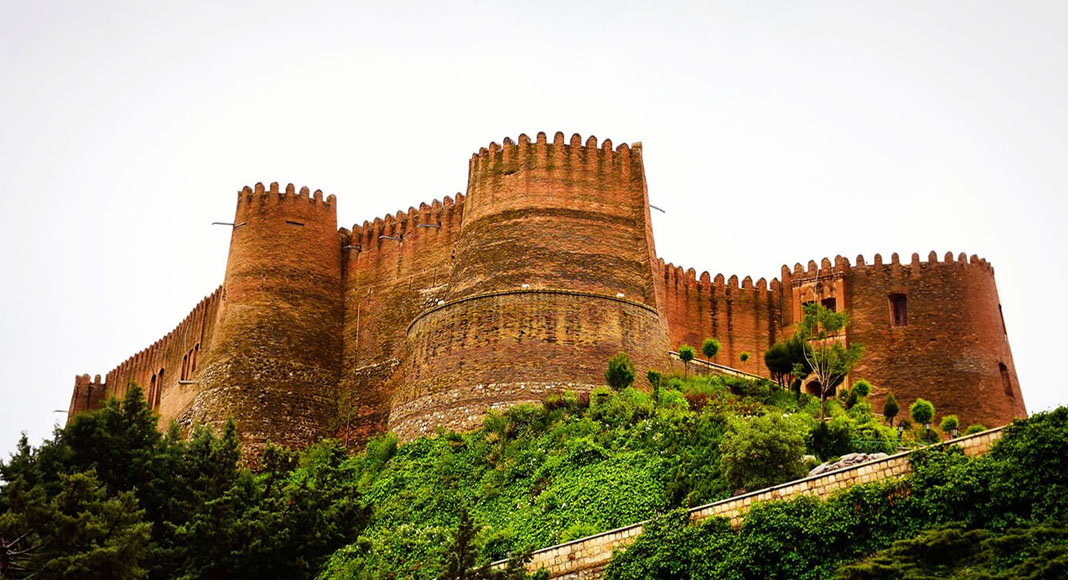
[(587, 558), (524, 285)]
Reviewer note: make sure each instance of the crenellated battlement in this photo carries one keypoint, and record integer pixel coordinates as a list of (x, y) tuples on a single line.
[(675, 276), (435, 215), (841, 265), (540, 152), (274, 192)]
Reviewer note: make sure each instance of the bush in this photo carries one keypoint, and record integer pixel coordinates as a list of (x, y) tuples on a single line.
[(974, 428), (890, 408), (949, 423), (744, 357), (759, 452), (862, 388), (620, 373)]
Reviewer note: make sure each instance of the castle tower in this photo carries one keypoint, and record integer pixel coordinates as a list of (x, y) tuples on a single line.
[(553, 274), (275, 358), (931, 329)]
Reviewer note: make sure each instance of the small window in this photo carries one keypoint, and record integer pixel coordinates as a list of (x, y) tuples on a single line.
[(1002, 316), (185, 367), (830, 304), (1006, 380), (154, 403), (196, 355), (899, 310)]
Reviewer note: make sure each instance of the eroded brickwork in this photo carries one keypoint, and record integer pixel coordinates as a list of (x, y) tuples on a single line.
[(524, 285)]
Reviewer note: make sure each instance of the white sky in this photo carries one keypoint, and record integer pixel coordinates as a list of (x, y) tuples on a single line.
[(773, 133)]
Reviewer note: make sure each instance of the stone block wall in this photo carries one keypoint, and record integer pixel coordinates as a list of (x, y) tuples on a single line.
[(587, 558)]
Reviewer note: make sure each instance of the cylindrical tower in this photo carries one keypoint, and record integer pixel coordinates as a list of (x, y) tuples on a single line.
[(931, 329), (934, 330), (275, 358), (553, 274)]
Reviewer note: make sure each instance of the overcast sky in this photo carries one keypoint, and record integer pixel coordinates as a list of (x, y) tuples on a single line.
[(773, 133)]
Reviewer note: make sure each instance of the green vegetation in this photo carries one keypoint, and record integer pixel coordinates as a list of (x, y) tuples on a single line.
[(1001, 515), (110, 497), (620, 373), (922, 411), (686, 354), (890, 408), (949, 424), (710, 347), (824, 355)]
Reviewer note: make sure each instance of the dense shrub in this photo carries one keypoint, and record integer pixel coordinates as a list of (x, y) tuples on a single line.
[(1001, 515), (762, 451)]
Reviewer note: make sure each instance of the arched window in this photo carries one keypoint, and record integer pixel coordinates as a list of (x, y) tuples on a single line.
[(1006, 380), (151, 394), (185, 367), (196, 353), (830, 304), (899, 310)]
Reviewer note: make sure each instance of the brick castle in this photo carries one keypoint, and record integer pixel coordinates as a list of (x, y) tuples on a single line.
[(526, 285)]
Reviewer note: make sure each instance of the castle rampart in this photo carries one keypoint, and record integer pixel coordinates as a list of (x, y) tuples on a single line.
[(524, 285)]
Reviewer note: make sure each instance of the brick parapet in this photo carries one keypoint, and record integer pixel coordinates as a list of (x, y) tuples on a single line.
[(742, 315), (586, 558)]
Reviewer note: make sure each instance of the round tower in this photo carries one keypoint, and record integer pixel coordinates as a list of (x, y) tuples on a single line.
[(552, 275), (275, 357), (931, 329)]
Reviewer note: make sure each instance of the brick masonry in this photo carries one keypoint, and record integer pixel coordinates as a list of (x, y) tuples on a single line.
[(525, 284), (587, 558)]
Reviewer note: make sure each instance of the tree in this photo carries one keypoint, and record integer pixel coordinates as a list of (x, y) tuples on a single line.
[(786, 361), (922, 411), (890, 408), (762, 451), (829, 359), (462, 553), (655, 379), (620, 373), (710, 347), (80, 532), (686, 354), (744, 357), (949, 424)]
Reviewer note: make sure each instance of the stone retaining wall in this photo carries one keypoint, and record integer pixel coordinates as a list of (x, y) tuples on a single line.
[(586, 558)]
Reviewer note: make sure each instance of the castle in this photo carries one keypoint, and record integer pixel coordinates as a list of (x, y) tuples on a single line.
[(525, 285)]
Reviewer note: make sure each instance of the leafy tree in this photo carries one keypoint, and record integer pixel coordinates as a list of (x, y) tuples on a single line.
[(829, 359), (710, 347), (762, 451), (779, 362), (922, 411), (686, 354), (974, 428), (949, 424), (620, 373), (744, 357), (890, 408), (786, 361)]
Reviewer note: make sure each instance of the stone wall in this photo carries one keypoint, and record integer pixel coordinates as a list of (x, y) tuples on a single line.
[(587, 558)]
